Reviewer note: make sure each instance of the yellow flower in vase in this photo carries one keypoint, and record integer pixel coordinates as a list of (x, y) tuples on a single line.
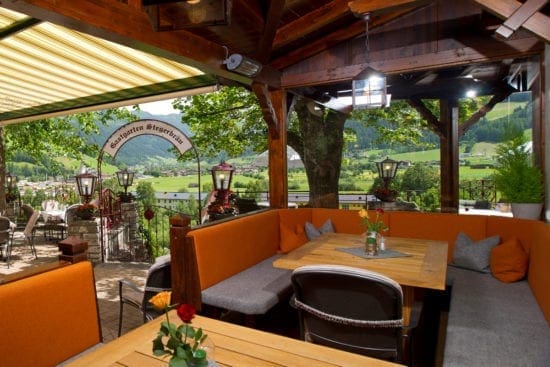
[(373, 228)]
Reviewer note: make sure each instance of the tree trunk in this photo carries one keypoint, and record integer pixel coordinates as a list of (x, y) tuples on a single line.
[(322, 135)]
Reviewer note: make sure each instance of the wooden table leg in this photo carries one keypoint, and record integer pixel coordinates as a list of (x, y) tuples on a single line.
[(408, 301)]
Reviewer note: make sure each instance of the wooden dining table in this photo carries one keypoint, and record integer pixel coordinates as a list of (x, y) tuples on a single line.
[(235, 346), (423, 264)]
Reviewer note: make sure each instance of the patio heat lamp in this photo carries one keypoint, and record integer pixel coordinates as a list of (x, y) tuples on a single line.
[(85, 182)]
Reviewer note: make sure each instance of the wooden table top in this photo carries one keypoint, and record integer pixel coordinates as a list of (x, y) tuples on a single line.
[(235, 346), (426, 267)]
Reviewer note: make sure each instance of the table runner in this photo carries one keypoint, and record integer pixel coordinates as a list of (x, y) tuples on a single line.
[(382, 254)]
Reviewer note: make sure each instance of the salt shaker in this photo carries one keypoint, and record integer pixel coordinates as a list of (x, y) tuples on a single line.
[(382, 243)]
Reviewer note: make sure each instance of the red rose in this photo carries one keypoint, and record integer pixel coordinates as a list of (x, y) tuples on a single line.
[(380, 211), (186, 312)]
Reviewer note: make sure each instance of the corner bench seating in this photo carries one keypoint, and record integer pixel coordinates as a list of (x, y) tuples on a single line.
[(226, 265), (50, 317)]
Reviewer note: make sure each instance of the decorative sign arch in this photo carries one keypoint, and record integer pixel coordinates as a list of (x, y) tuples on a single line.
[(147, 127)]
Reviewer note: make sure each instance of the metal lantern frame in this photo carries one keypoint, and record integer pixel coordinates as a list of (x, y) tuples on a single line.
[(125, 179), (368, 90), (387, 170), (222, 175), (11, 180), (85, 183)]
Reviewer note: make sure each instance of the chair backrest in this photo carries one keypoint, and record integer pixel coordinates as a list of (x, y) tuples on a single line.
[(31, 223), (26, 211), (159, 278), (5, 230), (349, 309)]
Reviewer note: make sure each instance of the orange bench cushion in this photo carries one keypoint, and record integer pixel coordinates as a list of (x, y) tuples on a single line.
[(437, 226), (49, 317), (509, 261), (343, 221), (538, 273), (225, 249), (292, 232), (507, 228)]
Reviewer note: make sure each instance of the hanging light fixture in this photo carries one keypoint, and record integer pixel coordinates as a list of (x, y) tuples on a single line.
[(368, 88), (170, 15)]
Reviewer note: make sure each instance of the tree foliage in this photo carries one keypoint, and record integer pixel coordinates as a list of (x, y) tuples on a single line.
[(59, 136), (145, 194), (516, 177), (46, 140), (420, 177), (228, 120)]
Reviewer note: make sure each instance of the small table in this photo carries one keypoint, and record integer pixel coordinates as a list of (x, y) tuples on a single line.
[(235, 346), (426, 267)]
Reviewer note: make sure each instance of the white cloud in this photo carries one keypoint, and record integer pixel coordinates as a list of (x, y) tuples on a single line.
[(159, 107)]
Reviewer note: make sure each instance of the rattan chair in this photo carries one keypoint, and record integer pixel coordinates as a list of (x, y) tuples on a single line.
[(158, 279), (353, 309)]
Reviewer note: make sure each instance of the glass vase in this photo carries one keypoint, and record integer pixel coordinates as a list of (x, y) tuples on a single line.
[(371, 247)]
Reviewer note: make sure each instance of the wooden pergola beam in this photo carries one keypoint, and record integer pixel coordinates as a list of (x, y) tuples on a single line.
[(274, 14), (360, 7), (270, 116), (427, 115), (311, 22), (520, 16), (504, 9), (455, 57), (497, 98), (354, 29)]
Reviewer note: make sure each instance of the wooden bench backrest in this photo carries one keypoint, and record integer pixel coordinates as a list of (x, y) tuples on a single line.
[(49, 317), (538, 274)]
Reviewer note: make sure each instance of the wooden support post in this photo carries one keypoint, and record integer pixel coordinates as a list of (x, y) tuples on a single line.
[(449, 155), (278, 183), (182, 257)]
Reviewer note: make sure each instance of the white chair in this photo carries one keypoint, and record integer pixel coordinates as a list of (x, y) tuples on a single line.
[(26, 236)]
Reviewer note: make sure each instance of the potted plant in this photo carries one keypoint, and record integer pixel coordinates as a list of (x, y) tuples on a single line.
[(518, 180)]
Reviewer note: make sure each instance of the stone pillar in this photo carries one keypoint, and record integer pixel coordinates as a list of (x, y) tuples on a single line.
[(130, 220), (89, 231)]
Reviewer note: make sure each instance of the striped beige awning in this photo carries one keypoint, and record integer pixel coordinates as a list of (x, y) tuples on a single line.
[(48, 70)]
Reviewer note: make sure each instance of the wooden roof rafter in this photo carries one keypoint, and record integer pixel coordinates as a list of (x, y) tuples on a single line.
[(519, 14)]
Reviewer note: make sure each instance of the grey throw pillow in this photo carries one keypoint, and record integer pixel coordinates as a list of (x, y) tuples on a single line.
[(472, 255), (313, 232)]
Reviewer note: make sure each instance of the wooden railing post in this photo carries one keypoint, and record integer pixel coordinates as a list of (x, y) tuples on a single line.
[(183, 263)]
